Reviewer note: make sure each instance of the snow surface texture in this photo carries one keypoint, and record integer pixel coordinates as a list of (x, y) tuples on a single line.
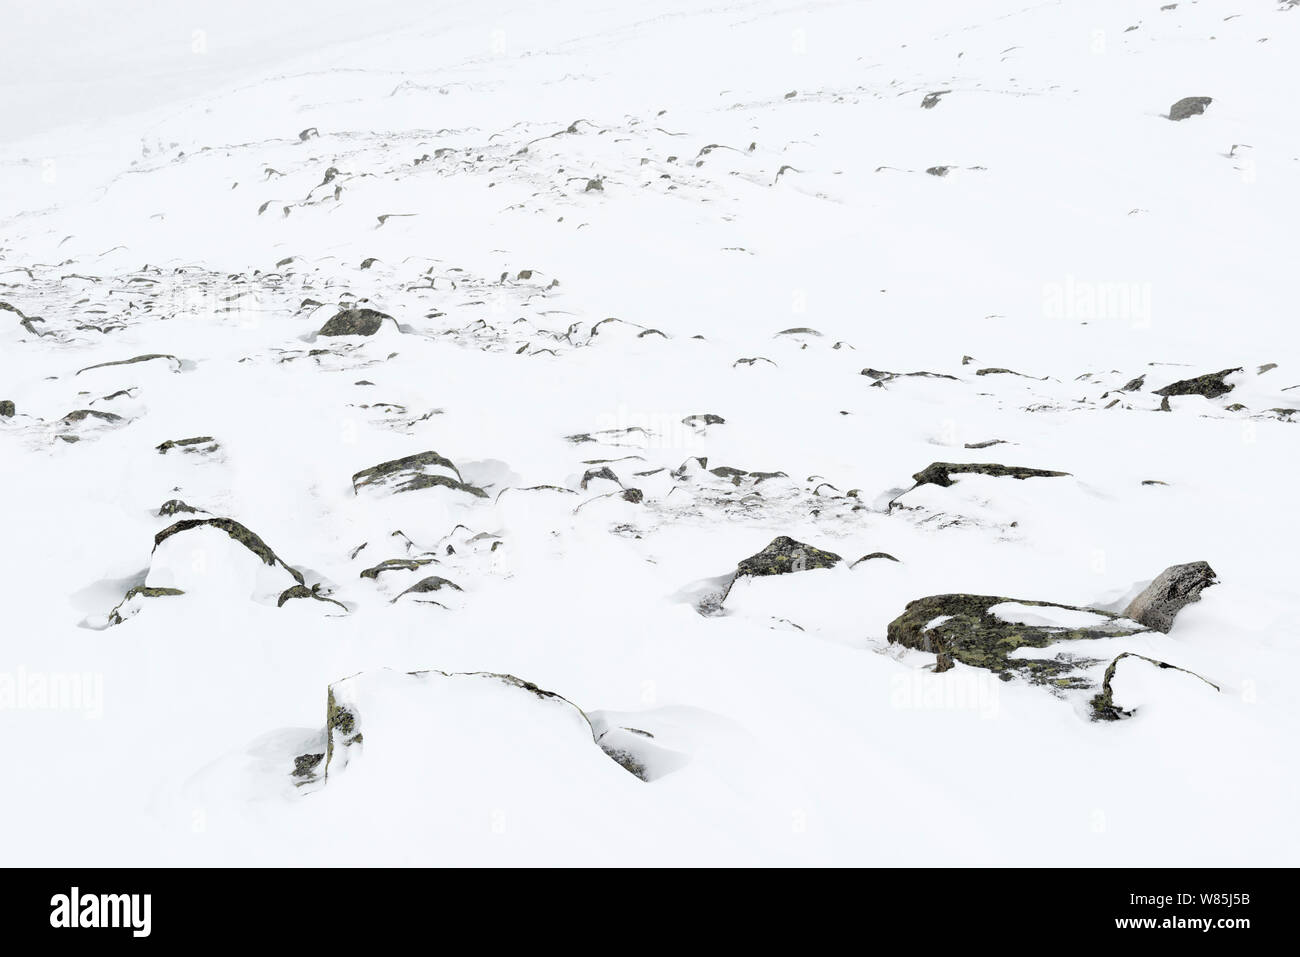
[(652, 284)]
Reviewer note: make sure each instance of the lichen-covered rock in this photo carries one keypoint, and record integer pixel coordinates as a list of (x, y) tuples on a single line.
[(7, 409), (237, 532), (420, 471), (1211, 385), (354, 322), (428, 585), (983, 630), (396, 565), (81, 415), (940, 473), (1103, 704), (1189, 106), (784, 555), (131, 603), (175, 507), (1173, 589), (302, 591)]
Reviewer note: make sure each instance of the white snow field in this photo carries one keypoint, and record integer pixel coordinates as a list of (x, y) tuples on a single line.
[(646, 286)]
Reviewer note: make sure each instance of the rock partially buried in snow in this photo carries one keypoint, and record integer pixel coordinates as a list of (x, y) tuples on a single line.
[(420, 471), (941, 473), (355, 322), (1211, 385), (983, 630), (458, 728), (1173, 589), (784, 555), (7, 409), (1103, 704), (1189, 106)]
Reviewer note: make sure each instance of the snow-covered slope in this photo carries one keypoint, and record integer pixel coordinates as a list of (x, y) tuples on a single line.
[(456, 434)]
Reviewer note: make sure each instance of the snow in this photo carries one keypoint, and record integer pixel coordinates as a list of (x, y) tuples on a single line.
[(1079, 239)]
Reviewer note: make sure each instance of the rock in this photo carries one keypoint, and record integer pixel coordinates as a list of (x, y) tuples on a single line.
[(1173, 589), (429, 709), (394, 565), (1103, 704), (938, 170), (633, 495), (873, 555), (175, 507), (784, 555), (1211, 385), (931, 100), (414, 472), (940, 473), (7, 409), (703, 419), (982, 630), (199, 443), (126, 362), (130, 604), (354, 322), (427, 585), (72, 418), (238, 533), (1189, 106), (302, 591)]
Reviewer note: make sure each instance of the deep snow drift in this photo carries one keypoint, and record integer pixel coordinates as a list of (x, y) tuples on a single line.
[(498, 433)]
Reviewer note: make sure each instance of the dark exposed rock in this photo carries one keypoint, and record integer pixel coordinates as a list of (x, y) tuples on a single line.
[(1172, 590), (882, 376), (302, 591), (706, 418), (1211, 385), (237, 532), (940, 473), (304, 765), (431, 584), (140, 591), (1189, 106), (1103, 704), (199, 443), (962, 627), (873, 555), (82, 414), (408, 474), (7, 409), (394, 565), (604, 472), (784, 555), (931, 100), (633, 495), (126, 362), (354, 322), (175, 507)]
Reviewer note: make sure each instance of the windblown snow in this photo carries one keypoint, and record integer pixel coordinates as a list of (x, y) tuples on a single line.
[(855, 433)]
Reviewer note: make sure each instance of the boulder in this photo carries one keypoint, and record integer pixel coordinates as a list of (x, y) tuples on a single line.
[(354, 322), (1174, 588)]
